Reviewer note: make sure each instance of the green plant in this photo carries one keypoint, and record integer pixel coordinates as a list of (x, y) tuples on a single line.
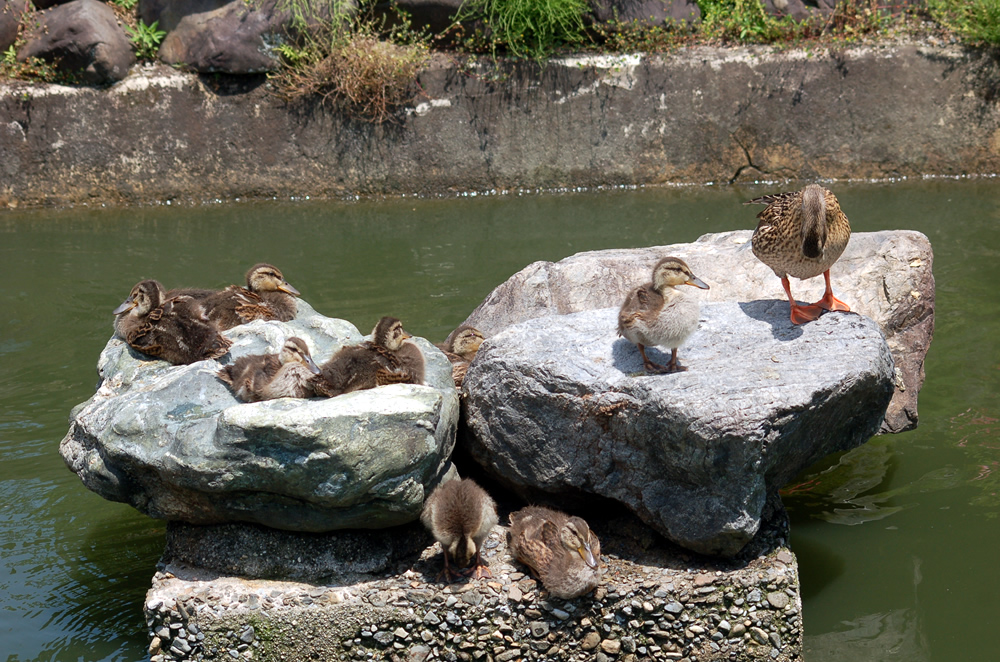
[(125, 4), (975, 21), (744, 21), (146, 39), (526, 28)]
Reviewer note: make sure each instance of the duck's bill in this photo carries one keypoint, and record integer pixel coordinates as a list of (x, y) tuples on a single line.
[(126, 306), (288, 289), (313, 368), (697, 282), (588, 555)]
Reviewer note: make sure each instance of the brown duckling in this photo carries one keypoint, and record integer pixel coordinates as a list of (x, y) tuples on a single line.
[(658, 313), (460, 347), (460, 514), (267, 296), (173, 329), (561, 550), (268, 376), (801, 234), (385, 359)]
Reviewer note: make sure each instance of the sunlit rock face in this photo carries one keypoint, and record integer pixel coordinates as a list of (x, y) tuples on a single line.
[(559, 409), (176, 444), (886, 276)]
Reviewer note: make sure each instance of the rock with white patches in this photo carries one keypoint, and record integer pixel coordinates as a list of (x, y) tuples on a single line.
[(174, 442)]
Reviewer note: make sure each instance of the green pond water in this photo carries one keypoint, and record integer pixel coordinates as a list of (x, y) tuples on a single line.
[(897, 541)]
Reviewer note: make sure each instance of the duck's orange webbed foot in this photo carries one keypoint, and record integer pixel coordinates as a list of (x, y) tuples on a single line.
[(830, 302), (802, 314)]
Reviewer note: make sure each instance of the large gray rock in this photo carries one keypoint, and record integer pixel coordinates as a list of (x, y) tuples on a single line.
[(886, 276), (82, 36), (234, 38), (176, 444), (559, 409)]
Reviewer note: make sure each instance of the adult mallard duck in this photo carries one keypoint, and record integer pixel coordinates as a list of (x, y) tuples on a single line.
[(173, 329), (267, 296), (801, 234), (460, 347), (385, 359), (658, 313), (561, 550), (268, 376), (460, 514)]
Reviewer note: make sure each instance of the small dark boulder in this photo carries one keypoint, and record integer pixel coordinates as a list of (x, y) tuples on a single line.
[(645, 13), (81, 36)]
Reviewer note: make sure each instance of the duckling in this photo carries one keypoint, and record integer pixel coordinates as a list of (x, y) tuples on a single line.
[(460, 514), (268, 376), (460, 347), (801, 234), (173, 329), (561, 550), (267, 296), (385, 359), (658, 313)]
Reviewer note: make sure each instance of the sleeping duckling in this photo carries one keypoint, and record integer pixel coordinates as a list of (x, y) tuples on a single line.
[(460, 347), (173, 329), (267, 296), (268, 376), (658, 313), (801, 234), (460, 515), (561, 550), (385, 359)]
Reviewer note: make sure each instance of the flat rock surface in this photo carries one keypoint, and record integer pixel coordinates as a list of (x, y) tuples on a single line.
[(886, 276), (559, 408), (174, 442)]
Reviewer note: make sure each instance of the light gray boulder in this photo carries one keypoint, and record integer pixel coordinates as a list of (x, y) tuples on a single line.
[(559, 410), (886, 276), (174, 442)]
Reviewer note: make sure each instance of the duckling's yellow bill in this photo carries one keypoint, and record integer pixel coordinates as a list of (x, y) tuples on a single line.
[(694, 281), (126, 306), (288, 289), (587, 555)]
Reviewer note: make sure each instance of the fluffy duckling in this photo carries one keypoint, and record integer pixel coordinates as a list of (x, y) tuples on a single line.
[(268, 376), (267, 296), (561, 550), (801, 234), (460, 514), (173, 329), (658, 313), (460, 347), (385, 359)]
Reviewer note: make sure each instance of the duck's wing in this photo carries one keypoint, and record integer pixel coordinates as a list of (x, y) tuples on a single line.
[(639, 300)]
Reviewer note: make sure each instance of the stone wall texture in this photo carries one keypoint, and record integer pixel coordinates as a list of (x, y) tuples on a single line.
[(696, 115)]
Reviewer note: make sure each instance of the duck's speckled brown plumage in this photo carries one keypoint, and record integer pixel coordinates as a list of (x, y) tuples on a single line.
[(268, 376), (659, 314), (460, 514), (385, 359), (174, 329), (802, 234), (460, 347), (267, 296), (561, 550)]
